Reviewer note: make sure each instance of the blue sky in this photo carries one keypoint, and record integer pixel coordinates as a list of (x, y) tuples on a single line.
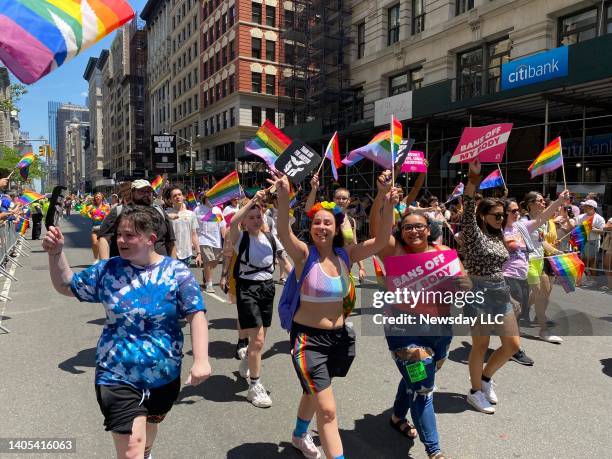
[(65, 84)]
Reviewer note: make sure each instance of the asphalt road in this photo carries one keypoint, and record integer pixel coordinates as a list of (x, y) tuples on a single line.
[(560, 408)]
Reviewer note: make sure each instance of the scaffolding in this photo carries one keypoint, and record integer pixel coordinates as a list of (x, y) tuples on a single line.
[(314, 82)]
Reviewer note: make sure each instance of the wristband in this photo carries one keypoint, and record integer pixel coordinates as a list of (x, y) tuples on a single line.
[(224, 274)]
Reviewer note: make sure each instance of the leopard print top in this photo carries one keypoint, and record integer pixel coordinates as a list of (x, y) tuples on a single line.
[(484, 254)]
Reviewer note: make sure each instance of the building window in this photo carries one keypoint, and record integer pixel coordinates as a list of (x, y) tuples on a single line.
[(271, 115), (360, 40), (218, 117), (256, 81), (231, 50), (270, 84), (407, 81), (224, 23), (418, 16), (461, 6), (289, 53), (270, 16), (224, 88), (270, 50), (225, 119), (498, 53), (578, 27), (224, 55), (469, 77), (232, 84), (256, 13), (393, 24), (289, 17), (256, 47), (256, 116), (231, 12), (232, 118)]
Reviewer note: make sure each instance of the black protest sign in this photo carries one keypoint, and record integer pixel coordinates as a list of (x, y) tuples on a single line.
[(297, 162)]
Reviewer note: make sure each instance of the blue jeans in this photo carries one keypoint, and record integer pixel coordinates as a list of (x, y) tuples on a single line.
[(418, 396)]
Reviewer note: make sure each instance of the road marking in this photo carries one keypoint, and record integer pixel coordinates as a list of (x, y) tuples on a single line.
[(215, 296), (6, 291)]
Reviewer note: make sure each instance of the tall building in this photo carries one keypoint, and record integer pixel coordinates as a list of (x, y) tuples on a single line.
[(125, 131), (94, 147), (75, 162), (66, 114), (9, 121), (240, 73), (156, 13), (185, 78)]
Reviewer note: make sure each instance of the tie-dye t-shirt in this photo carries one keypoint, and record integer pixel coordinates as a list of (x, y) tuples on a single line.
[(141, 343)]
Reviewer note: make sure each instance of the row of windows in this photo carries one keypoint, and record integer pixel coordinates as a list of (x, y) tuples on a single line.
[(256, 81), (406, 81), (586, 24), (185, 59), (220, 121), (220, 90), (224, 56), (257, 112), (185, 84), (184, 34), (186, 108), (256, 14), (191, 131), (270, 49), (222, 25), (208, 7)]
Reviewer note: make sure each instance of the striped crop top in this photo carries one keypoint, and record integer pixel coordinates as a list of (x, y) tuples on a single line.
[(320, 287)]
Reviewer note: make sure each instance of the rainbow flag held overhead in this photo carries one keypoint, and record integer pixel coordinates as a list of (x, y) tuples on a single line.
[(377, 150), (396, 133), (493, 180), (29, 196), (22, 226), (225, 189), (580, 233), (332, 152), (550, 159), (568, 268), (157, 183), (269, 143), (191, 202), (25, 161), (40, 35)]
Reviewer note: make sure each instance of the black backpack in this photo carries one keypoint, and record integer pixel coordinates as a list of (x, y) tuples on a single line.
[(243, 248)]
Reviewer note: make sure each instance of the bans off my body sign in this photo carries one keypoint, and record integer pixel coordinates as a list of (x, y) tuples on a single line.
[(488, 143)]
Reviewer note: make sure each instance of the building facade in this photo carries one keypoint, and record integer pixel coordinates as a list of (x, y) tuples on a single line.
[(9, 120), (94, 147), (66, 115), (75, 162)]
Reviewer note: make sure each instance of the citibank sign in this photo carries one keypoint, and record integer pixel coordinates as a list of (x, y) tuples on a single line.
[(535, 69)]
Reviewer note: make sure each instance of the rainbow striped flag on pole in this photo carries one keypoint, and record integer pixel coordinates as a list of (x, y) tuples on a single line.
[(29, 196), (568, 268), (22, 226), (580, 233), (157, 183), (225, 189), (40, 35), (269, 143), (548, 160), (332, 152), (379, 150)]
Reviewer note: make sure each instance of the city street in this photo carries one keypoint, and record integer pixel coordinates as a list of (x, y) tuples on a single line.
[(559, 408)]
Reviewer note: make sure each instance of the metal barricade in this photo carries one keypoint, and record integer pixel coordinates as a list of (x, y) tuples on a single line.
[(10, 246)]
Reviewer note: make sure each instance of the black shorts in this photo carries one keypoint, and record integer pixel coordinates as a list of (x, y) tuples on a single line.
[(319, 355), (121, 404), (255, 301)]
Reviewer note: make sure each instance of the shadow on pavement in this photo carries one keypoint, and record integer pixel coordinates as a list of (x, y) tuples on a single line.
[(607, 367), (373, 438), (250, 450), (85, 358), (101, 321), (225, 323), (221, 350), (450, 402), (217, 388), (280, 347)]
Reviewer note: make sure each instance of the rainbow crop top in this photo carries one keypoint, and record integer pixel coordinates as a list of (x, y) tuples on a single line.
[(320, 287)]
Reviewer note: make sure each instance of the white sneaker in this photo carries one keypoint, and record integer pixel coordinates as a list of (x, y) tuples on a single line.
[(306, 445), (546, 336), (489, 392), (479, 401), (258, 396), (210, 289), (243, 369), (242, 353)]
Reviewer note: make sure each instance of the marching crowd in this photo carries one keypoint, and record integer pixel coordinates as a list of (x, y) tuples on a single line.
[(143, 246)]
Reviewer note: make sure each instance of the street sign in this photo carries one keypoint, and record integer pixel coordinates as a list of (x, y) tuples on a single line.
[(164, 153)]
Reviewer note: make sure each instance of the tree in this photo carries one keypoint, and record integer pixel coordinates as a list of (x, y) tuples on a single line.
[(9, 158), (15, 92)]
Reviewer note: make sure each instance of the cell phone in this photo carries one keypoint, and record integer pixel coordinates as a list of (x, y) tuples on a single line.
[(225, 289), (56, 204)]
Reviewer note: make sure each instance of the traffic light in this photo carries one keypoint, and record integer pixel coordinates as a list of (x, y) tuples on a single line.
[(42, 150)]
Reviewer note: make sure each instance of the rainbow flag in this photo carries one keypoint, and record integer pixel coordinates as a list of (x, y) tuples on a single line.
[(40, 35), (292, 197), (493, 180), (157, 183), (212, 217), (332, 152), (269, 143), (377, 150), (396, 133), (191, 202), (29, 196), (568, 268), (225, 189), (580, 233), (25, 161), (380, 274), (22, 226), (550, 159)]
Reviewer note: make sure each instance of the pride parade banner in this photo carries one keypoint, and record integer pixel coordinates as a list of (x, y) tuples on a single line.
[(415, 162), (488, 143)]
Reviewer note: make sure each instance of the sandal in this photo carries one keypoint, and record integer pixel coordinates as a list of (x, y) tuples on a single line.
[(408, 427), (438, 455)]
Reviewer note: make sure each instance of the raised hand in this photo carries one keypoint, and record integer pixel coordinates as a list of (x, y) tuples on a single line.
[(475, 166), (384, 182), (314, 182), (53, 242)]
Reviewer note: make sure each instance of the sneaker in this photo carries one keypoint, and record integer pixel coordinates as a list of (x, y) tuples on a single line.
[(546, 336), (210, 289), (243, 369), (480, 402), (522, 358), (258, 396), (489, 392), (604, 288), (241, 351), (306, 445)]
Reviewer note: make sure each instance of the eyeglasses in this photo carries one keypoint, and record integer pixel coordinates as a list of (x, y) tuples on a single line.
[(416, 226), (514, 211), (499, 216)]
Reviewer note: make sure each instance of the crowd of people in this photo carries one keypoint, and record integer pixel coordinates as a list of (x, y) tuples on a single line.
[(144, 244)]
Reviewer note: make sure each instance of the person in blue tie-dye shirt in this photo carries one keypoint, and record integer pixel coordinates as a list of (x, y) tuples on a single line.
[(138, 358)]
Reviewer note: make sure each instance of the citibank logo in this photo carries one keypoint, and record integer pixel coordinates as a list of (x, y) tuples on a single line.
[(534, 69)]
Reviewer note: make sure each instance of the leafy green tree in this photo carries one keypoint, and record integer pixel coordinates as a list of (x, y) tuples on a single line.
[(16, 92), (9, 158)]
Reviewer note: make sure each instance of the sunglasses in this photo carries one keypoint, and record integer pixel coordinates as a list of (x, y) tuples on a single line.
[(416, 226), (514, 211), (499, 216)]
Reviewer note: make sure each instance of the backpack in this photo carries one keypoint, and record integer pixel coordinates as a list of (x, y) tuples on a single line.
[(290, 297), (243, 248)]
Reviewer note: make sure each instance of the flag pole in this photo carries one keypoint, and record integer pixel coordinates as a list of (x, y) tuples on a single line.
[(563, 164), (502, 176), (392, 154)]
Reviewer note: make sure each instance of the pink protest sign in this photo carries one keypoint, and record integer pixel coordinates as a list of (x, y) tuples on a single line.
[(488, 143), (421, 271), (415, 162)]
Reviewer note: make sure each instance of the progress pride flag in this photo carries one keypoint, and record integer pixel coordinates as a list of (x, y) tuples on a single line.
[(488, 143)]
